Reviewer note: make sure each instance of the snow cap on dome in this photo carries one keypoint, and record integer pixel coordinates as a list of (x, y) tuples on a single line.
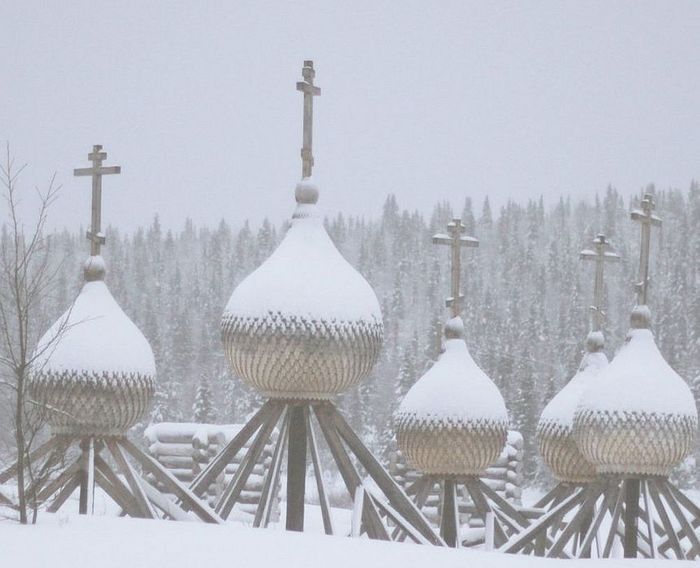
[(637, 416), (94, 335), (453, 421), (454, 389), (639, 379), (562, 407), (306, 276)]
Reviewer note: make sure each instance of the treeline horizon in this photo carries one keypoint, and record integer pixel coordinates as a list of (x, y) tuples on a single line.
[(526, 312)]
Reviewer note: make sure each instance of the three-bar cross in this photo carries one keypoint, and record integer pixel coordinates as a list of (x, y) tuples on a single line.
[(456, 241), (310, 91), (600, 255), (645, 216), (97, 170)]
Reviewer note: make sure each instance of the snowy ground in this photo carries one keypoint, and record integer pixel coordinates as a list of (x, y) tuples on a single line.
[(67, 540)]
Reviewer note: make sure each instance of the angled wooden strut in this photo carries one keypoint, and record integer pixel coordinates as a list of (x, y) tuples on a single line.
[(647, 517), (298, 423), (507, 519), (113, 473)]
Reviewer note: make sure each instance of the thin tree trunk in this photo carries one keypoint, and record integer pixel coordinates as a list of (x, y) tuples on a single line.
[(19, 438)]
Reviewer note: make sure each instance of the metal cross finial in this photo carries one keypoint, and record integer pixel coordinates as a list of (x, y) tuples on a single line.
[(600, 255), (310, 91), (645, 216), (456, 241), (97, 170)]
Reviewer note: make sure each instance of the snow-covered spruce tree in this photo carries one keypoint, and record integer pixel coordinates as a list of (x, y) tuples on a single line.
[(203, 411)]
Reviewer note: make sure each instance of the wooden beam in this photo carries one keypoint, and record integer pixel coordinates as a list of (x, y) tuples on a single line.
[(631, 518), (131, 477), (449, 515), (395, 516), (235, 487), (320, 481), (650, 522), (422, 488), (40, 452), (358, 507), (269, 489), (617, 512), (610, 495), (483, 507), (65, 492), (207, 476), (662, 487), (591, 494), (170, 509), (372, 520), (530, 533), (397, 498), (54, 485), (87, 472), (296, 467), (666, 521), (161, 474), (118, 493)]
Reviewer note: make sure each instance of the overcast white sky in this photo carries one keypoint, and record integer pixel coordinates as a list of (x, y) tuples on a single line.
[(429, 100)]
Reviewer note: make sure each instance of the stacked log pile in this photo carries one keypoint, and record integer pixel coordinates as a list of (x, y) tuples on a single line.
[(505, 477), (186, 449)]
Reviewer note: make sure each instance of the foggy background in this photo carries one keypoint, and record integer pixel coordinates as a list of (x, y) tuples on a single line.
[(428, 100)]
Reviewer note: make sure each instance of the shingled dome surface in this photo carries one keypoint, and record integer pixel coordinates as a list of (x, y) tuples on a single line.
[(555, 430), (638, 416), (305, 324), (453, 421), (95, 371)]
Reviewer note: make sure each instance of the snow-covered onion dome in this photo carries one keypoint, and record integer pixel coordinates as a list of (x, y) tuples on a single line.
[(305, 324), (95, 371), (453, 421), (638, 416), (555, 430)]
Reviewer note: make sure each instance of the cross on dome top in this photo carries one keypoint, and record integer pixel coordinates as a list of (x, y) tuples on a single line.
[(645, 216), (310, 91), (601, 254), (456, 241), (97, 156)]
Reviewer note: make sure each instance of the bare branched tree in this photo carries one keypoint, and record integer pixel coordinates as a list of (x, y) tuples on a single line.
[(27, 276)]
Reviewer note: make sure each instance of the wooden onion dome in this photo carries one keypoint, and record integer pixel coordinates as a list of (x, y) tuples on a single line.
[(93, 374), (453, 421), (555, 430), (97, 371), (301, 328), (638, 417), (555, 436), (305, 324)]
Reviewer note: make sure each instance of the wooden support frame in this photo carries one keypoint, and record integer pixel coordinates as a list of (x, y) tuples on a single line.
[(297, 434), (135, 495), (669, 521)]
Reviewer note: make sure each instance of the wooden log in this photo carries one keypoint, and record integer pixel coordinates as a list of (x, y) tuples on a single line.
[(132, 480)]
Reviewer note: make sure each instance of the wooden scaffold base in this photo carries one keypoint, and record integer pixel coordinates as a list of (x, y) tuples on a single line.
[(501, 518), (645, 517), (136, 496), (375, 513)]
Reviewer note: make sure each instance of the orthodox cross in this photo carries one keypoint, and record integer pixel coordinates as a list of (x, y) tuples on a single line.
[(456, 241), (600, 255), (97, 170), (310, 91), (645, 216)]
